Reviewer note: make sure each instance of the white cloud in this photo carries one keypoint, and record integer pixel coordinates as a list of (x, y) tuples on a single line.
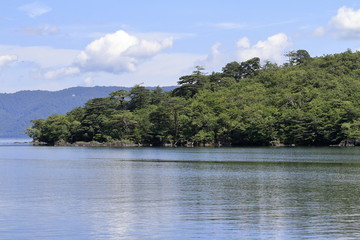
[(346, 23), (163, 70), (45, 57), (42, 30), (61, 72), (114, 53), (7, 59), (271, 49), (119, 52), (215, 49), (88, 82), (213, 60), (35, 9), (243, 43), (347, 19), (319, 32)]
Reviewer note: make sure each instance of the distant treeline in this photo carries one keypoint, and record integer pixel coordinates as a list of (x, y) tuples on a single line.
[(306, 101)]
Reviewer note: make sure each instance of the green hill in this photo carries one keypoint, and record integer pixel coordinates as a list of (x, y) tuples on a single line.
[(306, 101)]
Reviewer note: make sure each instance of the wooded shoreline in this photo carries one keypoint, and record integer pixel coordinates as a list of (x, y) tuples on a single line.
[(305, 102), (118, 144)]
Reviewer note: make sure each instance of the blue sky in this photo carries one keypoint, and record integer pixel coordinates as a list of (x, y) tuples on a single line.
[(52, 45)]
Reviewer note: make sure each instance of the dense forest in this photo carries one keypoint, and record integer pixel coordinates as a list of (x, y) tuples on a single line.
[(306, 101)]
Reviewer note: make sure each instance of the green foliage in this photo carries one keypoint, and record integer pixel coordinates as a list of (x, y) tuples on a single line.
[(241, 70), (139, 97), (298, 57), (191, 84), (351, 130), (18, 109), (54, 128), (308, 101)]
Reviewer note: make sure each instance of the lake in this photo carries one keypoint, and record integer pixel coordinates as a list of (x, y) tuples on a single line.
[(178, 193)]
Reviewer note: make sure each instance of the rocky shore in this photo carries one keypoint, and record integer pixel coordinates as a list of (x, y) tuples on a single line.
[(343, 143), (90, 144), (349, 143)]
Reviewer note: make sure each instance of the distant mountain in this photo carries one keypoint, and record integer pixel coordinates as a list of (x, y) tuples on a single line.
[(18, 109)]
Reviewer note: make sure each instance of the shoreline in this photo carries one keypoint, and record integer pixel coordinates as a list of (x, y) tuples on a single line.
[(120, 144)]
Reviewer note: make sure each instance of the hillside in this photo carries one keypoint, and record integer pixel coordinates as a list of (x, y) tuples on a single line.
[(306, 101), (17, 109)]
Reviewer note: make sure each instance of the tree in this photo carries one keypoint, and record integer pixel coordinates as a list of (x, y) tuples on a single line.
[(35, 131), (232, 69), (351, 130), (121, 125), (119, 98), (157, 96), (139, 97), (199, 70), (249, 67), (54, 128), (242, 70), (160, 126), (77, 114), (316, 101), (176, 107), (191, 84), (97, 113), (298, 57)]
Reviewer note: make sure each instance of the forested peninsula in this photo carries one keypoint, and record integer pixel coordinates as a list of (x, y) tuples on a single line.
[(308, 101)]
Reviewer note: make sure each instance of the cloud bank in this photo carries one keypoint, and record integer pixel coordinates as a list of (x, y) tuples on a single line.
[(271, 49), (7, 59)]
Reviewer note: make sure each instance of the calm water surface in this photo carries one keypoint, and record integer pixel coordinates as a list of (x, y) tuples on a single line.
[(179, 193)]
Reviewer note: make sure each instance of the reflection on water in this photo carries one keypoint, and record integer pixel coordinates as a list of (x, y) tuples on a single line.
[(183, 193)]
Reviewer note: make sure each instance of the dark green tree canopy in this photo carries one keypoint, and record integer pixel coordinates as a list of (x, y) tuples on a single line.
[(298, 57), (243, 69), (232, 70), (191, 84), (308, 101)]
